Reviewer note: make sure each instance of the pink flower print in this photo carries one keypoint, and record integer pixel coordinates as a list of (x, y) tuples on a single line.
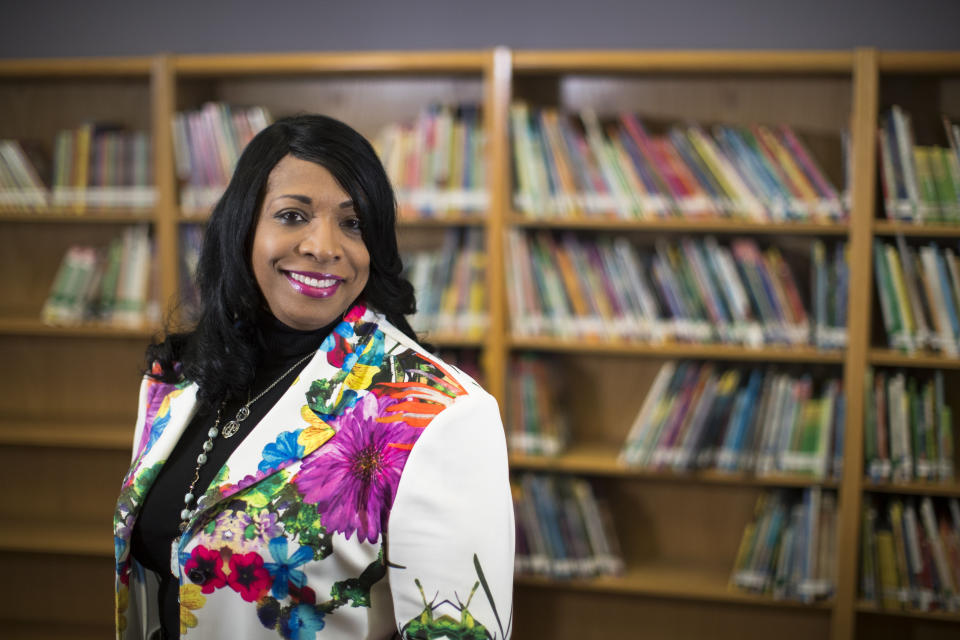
[(353, 478)]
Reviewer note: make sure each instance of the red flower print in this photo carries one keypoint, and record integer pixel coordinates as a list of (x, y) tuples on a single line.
[(247, 576), (205, 568)]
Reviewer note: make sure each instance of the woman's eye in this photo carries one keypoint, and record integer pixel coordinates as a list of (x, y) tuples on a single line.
[(290, 216), (352, 224)]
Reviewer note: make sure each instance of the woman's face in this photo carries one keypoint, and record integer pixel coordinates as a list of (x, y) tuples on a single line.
[(308, 254)]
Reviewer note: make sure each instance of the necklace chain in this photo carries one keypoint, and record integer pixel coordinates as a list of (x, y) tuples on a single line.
[(229, 430)]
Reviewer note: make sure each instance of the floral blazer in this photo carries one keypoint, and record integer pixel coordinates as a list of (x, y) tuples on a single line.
[(371, 500)]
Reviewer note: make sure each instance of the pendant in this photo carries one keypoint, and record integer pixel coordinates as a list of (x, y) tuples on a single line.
[(230, 428)]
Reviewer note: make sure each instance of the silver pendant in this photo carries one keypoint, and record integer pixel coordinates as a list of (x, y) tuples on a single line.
[(230, 428)]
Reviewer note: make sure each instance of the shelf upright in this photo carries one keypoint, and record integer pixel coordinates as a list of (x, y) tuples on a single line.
[(858, 332)]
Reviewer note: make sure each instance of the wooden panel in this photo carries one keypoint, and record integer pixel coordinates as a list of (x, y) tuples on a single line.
[(36, 109), (46, 595), (61, 485), (546, 615), (680, 523), (893, 626), (71, 379)]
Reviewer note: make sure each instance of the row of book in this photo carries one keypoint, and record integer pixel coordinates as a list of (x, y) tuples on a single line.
[(207, 143), (761, 421), (537, 423), (563, 529), (910, 553), (96, 166), (919, 292), (921, 183), (690, 290), (437, 163), (569, 165), (788, 550), (450, 285), (908, 428), (113, 285)]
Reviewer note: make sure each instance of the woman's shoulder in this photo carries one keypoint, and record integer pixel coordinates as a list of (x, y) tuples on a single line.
[(432, 364)]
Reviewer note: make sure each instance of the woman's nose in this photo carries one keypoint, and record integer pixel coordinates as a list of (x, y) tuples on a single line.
[(320, 240)]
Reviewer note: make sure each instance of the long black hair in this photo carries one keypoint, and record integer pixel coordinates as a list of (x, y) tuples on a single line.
[(220, 353)]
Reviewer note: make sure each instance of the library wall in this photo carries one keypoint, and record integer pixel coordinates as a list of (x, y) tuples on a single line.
[(113, 27)]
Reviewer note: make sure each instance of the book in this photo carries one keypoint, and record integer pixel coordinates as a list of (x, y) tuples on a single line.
[(565, 528)]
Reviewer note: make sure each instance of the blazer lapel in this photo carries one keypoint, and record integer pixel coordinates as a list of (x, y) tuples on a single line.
[(168, 422)]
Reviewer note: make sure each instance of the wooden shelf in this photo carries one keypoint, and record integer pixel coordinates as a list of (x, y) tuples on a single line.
[(67, 433), (677, 350), (601, 460), (739, 62), (35, 327), (946, 489), (920, 62), (452, 341), (892, 227), (681, 225), (668, 580), (869, 608), (57, 538), (330, 63), (74, 67), (62, 215), (894, 358)]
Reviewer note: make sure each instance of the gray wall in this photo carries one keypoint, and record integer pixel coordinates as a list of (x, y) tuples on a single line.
[(39, 28)]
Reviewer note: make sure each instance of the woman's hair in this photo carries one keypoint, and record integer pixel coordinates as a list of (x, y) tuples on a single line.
[(220, 354)]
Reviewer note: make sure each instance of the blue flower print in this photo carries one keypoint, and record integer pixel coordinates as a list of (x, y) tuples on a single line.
[(284, 570), (283, 449), (304, 622)]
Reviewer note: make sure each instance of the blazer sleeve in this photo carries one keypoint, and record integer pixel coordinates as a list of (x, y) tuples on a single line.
[(450, 537), (141, 416)]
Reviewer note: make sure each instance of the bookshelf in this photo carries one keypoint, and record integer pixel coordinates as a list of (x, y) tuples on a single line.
[(679, 531)]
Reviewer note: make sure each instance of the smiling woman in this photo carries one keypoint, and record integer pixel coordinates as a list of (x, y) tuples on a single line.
[(302, 467), (308, 255)]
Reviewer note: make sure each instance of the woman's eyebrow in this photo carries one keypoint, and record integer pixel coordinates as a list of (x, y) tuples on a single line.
[(297, 197), (346, 204)]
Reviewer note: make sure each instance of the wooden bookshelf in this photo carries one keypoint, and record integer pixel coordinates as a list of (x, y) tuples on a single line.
[(677, 350), (60, 215), (49, 538), (66, 433), (926, 230), (679, 530), (665, 579), (679, 225), (922, 359), (602, 460), (35, 327)]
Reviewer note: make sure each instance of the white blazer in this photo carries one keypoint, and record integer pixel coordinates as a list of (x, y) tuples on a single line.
[(372, 499)]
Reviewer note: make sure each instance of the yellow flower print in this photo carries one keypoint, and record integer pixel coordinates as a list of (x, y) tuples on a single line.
[(123, 600), (190, 598), (361, 376), (316, 433)]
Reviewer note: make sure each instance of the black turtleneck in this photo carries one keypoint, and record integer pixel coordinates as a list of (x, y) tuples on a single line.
[(157, 526)]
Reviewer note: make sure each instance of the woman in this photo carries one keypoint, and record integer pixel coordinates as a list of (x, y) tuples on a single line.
[(302, 468)]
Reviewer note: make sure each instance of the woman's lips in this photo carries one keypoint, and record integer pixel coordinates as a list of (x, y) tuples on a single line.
[(315, 285)]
